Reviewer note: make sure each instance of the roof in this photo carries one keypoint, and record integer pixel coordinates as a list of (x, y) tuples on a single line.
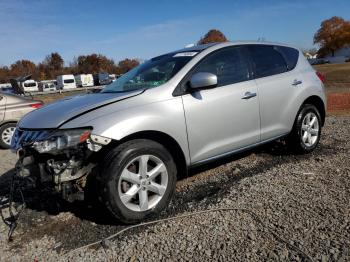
[(195, 48), (199, 48)]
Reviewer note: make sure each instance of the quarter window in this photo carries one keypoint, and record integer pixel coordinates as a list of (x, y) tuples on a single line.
[(230, 65), (266, 60), (291, 56)]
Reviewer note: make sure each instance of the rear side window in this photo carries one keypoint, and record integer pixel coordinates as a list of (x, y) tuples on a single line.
[(291, 56), (68, 81), (266, 60), (230, 65)]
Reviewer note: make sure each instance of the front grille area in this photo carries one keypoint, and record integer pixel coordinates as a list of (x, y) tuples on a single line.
[(24, 137)]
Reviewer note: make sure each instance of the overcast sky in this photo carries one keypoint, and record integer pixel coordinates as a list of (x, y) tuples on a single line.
[(31, 29)]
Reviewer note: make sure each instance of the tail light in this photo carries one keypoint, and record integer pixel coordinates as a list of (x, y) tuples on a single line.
[(321, 77), (36, 105)]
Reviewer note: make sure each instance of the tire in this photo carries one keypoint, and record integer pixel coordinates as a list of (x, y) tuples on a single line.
[(6, 132), (122, 175), (304, 138)]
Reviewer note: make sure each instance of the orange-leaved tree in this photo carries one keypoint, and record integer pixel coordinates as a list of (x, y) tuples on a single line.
[(212, 36), (126, 65), (333, 34)]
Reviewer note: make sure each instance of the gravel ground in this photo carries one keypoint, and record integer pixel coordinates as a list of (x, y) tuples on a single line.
[(302, 199)]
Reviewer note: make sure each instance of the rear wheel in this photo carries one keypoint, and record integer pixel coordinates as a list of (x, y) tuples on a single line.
[(138, 180), (6, 133), (306, 132)]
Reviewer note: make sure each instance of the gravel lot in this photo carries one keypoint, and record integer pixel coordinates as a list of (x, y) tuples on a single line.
[(303, 199)]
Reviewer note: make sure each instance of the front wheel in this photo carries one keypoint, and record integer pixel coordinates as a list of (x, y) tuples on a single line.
[(306, 132), (138, 180)]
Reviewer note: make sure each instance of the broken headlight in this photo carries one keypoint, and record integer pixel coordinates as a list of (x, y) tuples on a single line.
[(62, 139)]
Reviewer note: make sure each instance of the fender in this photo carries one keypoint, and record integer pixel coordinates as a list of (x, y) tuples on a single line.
[(118, 122)]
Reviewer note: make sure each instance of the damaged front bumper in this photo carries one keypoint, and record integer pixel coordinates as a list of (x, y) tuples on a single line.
[(60, 160)]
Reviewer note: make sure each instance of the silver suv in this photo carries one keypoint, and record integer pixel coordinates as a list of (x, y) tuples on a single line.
[(129, 143)]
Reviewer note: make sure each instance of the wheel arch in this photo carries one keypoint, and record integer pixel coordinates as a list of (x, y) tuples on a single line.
[(167, 141), (319, 104), (10, 121)]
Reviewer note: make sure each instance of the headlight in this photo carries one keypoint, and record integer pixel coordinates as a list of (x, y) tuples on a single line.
[(62, 139)]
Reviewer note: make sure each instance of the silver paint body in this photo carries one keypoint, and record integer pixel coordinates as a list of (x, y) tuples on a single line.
[(14, 107), (206, 124)]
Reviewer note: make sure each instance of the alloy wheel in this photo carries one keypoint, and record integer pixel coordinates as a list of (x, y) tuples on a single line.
[(310, 129), (7, 134), (142, 183)]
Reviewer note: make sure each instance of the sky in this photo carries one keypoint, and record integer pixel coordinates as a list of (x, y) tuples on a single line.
[(32, 29)]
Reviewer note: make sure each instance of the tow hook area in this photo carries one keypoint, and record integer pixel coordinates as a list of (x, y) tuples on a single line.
[(12, 204)]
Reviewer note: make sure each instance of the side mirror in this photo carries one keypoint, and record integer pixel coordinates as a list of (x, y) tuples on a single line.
[(203, 80)]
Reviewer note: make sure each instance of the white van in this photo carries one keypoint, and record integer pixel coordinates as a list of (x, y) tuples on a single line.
[(84, 80), (66, 82), (30, 86)]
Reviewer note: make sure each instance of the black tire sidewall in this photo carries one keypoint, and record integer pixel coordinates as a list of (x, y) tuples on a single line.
[(300, 146), (114, 164), (2, 129)]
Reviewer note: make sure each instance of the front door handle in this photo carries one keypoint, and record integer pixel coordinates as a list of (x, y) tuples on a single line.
[(297, 82), (248, 95)]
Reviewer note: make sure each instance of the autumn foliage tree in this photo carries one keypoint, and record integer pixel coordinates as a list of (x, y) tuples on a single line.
[(333, 34), (212, 36), (93, 63), (52, 66), (4, 73), (21, 68), (126, 65)]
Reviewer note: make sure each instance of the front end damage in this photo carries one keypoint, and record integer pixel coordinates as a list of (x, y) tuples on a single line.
[(54, 160), (58, 159)]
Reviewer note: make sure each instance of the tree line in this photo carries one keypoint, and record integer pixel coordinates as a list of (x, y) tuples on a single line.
[(53, 65), (333, 34)]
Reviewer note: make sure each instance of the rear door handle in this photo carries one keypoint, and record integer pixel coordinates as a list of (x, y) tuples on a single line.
[(248, 95), (297, 82)]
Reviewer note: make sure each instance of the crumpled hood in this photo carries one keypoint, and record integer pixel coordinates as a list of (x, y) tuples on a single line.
[(55, 114)]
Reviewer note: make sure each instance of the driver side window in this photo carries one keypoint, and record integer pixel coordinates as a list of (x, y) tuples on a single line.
[(230, 65)]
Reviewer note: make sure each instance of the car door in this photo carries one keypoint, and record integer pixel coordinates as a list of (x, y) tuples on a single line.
[(2, 107), (225, 118), (277, 85)]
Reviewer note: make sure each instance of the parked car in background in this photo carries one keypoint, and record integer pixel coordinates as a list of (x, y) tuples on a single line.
[(12, 108), (112, 77), (9, 90), (172, 112), (66, 82), (5, 85), (84, 80), (30, 86), (318, 61)]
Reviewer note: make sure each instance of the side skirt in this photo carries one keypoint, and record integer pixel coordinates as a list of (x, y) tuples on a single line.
[(236, 151)]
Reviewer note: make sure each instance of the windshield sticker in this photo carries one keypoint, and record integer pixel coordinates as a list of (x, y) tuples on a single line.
[(186, 54)]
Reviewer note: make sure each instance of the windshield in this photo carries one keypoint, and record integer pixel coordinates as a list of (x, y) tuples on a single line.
[(150, 74)]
